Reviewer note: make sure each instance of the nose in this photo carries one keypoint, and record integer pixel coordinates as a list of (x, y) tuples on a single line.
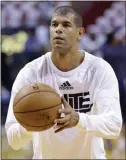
[(59, 29)]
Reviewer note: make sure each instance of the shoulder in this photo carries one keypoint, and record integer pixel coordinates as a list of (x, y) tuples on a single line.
[(102, 72), (29, 73), (34, 68), (98, 64), (37, 63), (100, 69)]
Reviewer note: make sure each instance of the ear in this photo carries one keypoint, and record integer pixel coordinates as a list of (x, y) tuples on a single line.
[(80, 32)]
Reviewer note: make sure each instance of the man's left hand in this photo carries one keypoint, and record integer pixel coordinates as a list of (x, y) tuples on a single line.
[(70, 119)]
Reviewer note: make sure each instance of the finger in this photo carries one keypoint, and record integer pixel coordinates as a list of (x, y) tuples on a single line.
[(62, 120), (65, 103), (60, 128), (57, 126), (65, 110)]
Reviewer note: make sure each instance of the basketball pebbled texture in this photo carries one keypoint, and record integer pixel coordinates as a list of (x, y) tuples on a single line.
[(36, 106)]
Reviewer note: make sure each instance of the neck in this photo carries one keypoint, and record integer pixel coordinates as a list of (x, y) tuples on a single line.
[(67, 61)]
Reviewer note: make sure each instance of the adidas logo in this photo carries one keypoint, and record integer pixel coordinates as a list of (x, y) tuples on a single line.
[(65, 86)]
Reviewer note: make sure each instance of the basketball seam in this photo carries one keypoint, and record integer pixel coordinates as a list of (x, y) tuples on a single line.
[(34, 83), (34, 126), (33, 93), (39, 109)]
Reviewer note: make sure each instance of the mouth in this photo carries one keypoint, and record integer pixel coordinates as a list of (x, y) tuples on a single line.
[(58, 38)]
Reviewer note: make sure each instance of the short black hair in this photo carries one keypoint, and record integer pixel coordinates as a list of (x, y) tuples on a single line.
[(64, 10)]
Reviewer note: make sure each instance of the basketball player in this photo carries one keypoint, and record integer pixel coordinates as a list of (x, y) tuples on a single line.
[(90, 94)]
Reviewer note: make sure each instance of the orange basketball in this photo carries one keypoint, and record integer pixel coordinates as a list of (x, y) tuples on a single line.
[(36, 106)]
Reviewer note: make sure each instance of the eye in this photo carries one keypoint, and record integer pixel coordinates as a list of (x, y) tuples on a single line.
[(66, 25), (54, 25)]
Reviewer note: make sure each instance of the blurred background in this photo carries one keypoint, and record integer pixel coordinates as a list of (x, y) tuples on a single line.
[(25, 36)]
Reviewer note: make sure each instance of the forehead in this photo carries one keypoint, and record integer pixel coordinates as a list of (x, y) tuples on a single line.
[(63, 18)]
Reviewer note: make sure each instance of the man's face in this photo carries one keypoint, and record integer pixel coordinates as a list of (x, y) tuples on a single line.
[(63, 32)]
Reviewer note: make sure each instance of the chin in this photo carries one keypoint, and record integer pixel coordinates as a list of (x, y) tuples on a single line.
[(59, 48)]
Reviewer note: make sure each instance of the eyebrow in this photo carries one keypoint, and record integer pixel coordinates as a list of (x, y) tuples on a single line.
[(67, 22)]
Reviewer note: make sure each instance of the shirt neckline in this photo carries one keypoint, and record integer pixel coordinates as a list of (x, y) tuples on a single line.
[(71, 72)]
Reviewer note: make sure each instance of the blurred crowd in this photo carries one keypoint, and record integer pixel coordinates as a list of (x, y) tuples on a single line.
[(19, 13), (105, 38)]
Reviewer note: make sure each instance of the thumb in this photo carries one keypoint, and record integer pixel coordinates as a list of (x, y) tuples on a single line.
[(65, 103)]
